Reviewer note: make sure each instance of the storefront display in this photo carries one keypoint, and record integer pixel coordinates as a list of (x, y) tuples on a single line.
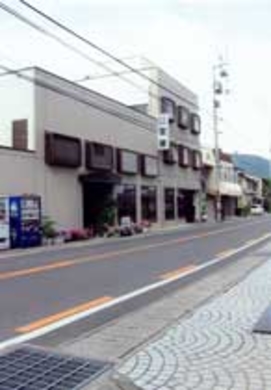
[(149, 203), (169, 203)]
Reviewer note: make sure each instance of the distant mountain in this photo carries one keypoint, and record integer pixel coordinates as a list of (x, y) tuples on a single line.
[(254, 165)]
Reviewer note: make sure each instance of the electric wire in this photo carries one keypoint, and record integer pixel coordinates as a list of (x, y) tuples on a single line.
[(104, 52), (53, 36)]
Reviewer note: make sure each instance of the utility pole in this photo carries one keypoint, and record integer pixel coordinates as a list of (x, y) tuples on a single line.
[(219, 73)]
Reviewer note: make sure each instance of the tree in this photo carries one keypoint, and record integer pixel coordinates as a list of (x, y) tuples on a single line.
[(267, 194)]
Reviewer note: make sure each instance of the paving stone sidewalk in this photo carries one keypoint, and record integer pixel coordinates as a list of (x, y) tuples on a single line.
[(198, 337), (213, 349)]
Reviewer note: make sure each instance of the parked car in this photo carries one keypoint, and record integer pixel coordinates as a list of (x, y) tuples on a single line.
[(256, 209)]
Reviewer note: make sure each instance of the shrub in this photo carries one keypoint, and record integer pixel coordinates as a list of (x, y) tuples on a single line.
[(48, 228)]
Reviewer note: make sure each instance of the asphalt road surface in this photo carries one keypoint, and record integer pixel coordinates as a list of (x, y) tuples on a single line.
[(41, 289)]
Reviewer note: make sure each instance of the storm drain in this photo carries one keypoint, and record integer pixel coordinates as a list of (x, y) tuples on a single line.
[(28, 368)]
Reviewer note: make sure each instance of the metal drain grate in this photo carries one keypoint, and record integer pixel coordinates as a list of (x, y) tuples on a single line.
[(29, 368)]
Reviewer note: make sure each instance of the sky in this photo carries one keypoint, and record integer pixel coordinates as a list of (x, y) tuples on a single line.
[(184, 37)]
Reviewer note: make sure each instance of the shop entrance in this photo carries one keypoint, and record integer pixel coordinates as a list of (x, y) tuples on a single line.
[(186, 208), (99, 205)]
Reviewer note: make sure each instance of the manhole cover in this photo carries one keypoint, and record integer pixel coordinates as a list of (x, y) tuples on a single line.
[(29, 368)]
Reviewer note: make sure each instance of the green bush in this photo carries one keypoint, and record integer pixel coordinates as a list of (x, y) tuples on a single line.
[(48, 228)]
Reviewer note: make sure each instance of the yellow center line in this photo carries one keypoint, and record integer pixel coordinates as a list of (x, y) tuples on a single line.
[(35, 270), (80, 260), (178, 272), (62, 315)]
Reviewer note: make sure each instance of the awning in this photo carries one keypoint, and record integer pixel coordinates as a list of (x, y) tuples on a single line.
[(100, 178), (230, 189)]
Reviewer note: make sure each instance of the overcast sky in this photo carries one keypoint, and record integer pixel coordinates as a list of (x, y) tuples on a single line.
[(184, 37)]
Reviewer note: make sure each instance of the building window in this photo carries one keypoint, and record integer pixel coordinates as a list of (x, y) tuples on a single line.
[(169, 157), (62, 150), (127, 162), (169, 203), (99, 149), (195, 124), (149, 203), (181, 204), (149, 166), (20, 134), (126, 202), (183, 117), (184, 156), (98, 156), (168, 107), (196, 159)]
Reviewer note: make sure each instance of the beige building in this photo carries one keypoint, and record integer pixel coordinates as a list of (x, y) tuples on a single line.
[(228, 186), (252, 190), (85, 153)]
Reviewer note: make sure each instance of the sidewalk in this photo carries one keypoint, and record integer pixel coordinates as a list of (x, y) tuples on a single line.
[(199, 337), (100, 240), (103, 240)]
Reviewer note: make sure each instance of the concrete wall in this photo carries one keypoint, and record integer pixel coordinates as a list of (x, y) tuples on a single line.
[(20, 173), (110, 124)]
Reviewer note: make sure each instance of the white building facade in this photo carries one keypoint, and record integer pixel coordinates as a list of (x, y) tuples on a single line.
[(84, 153)]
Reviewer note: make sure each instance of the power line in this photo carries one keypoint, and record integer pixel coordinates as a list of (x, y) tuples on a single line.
[(102, 76), (103, 51), (85, 56), (71, 47), (75, 97), (9, 72), (47, 33)]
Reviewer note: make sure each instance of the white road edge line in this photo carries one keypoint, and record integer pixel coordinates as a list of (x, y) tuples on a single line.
[(59, 324)]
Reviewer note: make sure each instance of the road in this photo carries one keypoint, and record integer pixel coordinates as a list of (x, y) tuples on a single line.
[(39, 290)]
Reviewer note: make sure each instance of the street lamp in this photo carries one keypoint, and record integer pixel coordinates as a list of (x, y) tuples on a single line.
[(219, 76)]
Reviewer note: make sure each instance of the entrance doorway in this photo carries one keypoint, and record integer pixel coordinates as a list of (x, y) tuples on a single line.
[(99, 206), (186, 208)]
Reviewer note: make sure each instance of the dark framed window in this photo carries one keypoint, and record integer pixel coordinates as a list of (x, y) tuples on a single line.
[(62, 150), (168, 106), (126, 202), (184, 156), (169, 196), (99, 149), (149, 166), (127, 162), (20, 134), (169, 157), (196, 159), (183, 117), (98, 156), (195, 124), (149, 203)]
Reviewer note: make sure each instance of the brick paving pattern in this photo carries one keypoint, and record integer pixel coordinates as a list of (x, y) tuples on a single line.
[(213, 349)]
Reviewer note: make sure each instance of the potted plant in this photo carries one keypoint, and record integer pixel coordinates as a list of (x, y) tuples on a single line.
[(49, 232)]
